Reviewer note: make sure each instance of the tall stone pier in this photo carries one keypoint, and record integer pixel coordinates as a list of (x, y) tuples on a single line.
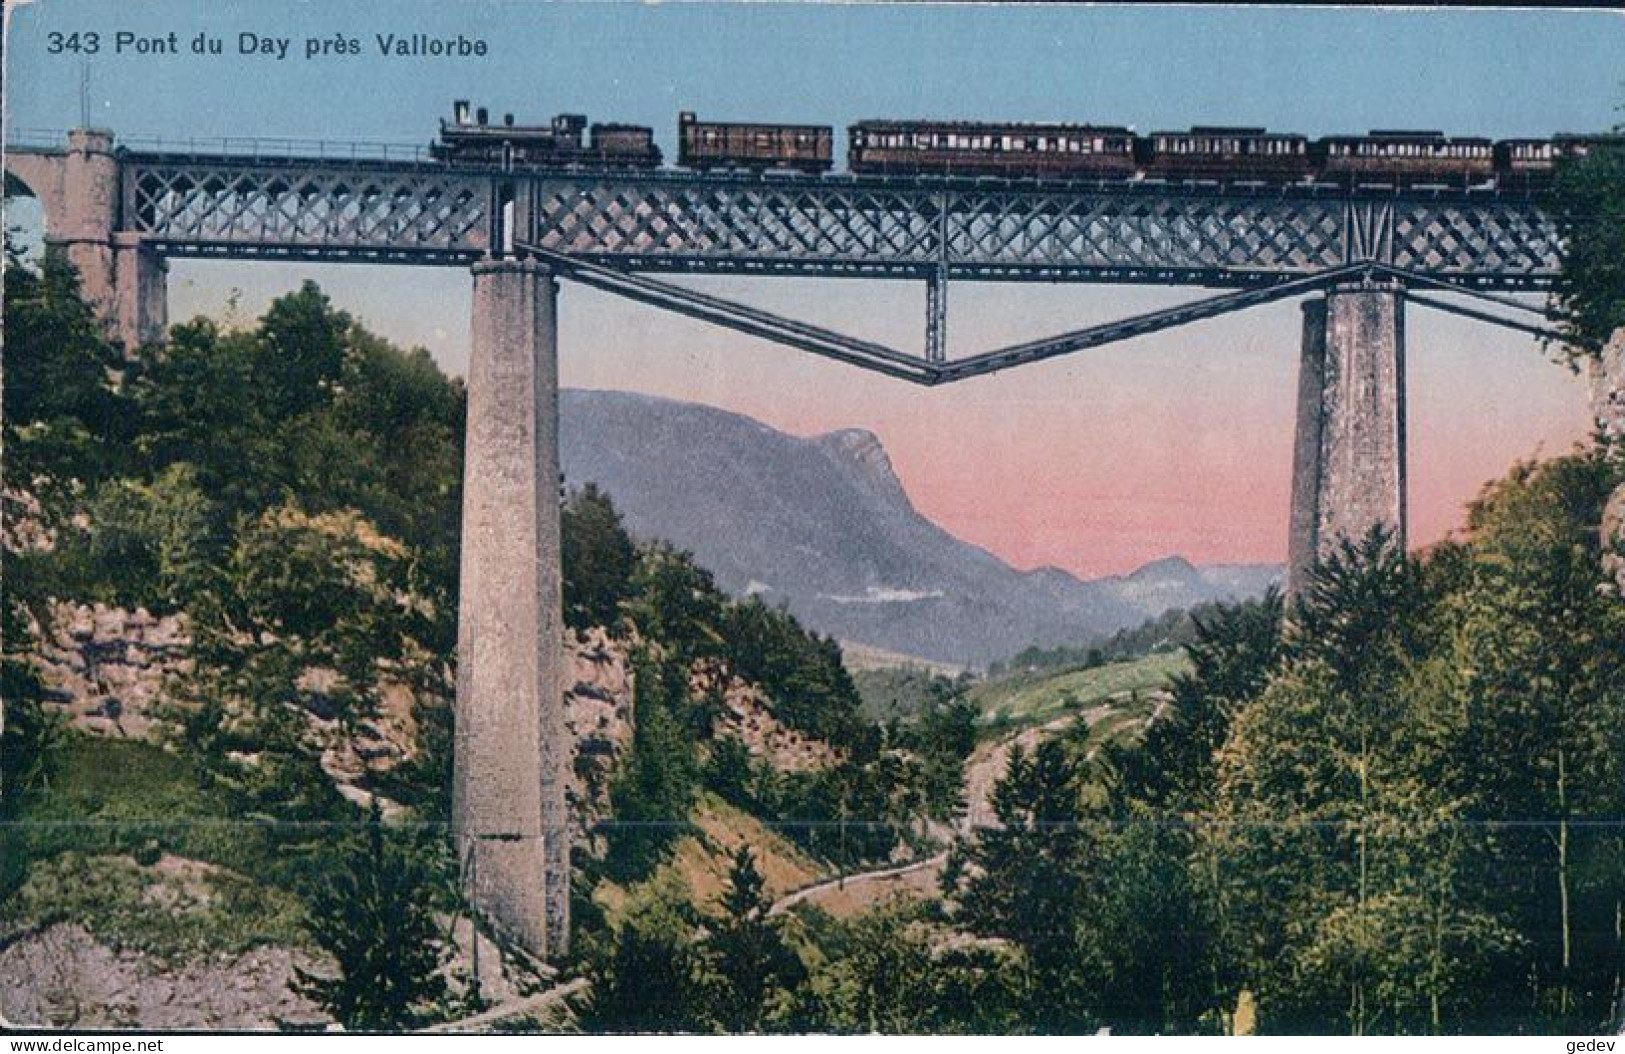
[(121, 276), (1348, 469), (511, 755)]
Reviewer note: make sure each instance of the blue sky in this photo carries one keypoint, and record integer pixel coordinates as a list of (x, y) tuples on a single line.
[(1315, 70), (1178, 442)]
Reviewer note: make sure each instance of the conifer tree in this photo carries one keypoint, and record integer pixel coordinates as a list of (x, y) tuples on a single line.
[(750, 969), (373, 913)]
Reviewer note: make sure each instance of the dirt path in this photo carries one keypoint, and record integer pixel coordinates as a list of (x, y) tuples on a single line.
[(516, 1008), (848, 894), (861, 885), (987, 764)]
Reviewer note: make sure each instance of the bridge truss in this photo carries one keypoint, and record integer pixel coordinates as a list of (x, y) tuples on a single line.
[(613, 230)]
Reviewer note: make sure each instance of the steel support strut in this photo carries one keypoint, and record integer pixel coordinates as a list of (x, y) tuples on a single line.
[(934, 368), (936, 315)]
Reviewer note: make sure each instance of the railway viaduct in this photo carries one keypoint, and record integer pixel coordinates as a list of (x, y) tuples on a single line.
[(1357, 257)]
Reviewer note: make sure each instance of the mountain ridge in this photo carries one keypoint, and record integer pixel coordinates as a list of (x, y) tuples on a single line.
[(824, 525)]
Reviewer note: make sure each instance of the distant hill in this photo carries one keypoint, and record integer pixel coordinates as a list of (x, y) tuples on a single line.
[(824, 526)]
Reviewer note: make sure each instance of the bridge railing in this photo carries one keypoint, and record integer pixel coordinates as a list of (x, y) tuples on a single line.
[(248, 146)]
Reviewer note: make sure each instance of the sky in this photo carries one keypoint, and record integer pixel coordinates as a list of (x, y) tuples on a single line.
[(1175, 443)]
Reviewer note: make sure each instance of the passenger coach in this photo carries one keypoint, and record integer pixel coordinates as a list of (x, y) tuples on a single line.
[(1059, 151), (715, 144), (1403, 158), (1224, 153)]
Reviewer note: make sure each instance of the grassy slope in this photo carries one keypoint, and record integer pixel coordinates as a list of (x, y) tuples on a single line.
[(1023, 699), (699, 862), (68, 855)]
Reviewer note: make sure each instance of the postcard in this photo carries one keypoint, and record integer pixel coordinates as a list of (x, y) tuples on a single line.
[(804, 518)]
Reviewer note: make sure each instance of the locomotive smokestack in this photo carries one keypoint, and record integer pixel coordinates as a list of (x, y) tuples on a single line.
[(507, 119), (482, 116), (459, 111)]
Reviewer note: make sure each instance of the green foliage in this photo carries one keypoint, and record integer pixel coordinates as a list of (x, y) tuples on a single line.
[(900, 693), (120, 797), (67, 421), (1025, 879), (1589, 205), (373, 913), (803, 672), (1150, 926), (599, 560), (176, 917), (676, 602), (145, 544), (850, 813), (731, 772), (1232, 653), (1533, 674), (299, 352), (645, 978), (887, 972), (1170, 631), (654, 788), (749, 971), (311, 611), (879, 976), (1023, 699), (30, 733), (943, 738)]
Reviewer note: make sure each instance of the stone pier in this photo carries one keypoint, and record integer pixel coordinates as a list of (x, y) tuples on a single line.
[(511, 756), (121, 277), (140, 291), (1348, 470)]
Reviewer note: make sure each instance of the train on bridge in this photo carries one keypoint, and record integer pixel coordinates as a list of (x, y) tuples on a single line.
[(1026, 151)]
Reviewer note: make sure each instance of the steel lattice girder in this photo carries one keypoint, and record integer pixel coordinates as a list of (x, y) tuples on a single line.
[(210, 209), (833, 226)]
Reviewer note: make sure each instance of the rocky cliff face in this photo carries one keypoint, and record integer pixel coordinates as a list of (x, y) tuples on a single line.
[(107, 667), (62, 977), (1606, 374), (598, 714), (110, 672)]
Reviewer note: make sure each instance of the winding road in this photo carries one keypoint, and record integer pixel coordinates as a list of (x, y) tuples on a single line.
[(983, 770)]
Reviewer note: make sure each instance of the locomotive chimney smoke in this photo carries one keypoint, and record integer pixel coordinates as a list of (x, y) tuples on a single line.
[(482, 116)]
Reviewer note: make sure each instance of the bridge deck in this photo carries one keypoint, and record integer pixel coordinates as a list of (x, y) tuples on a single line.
[(1227, 235)]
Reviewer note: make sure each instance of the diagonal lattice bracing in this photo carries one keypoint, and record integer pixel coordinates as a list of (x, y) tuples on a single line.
[(202, 207), (837, 225)]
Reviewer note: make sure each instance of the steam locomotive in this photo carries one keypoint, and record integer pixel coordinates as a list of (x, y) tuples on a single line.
[(470, 138), (1237, 155)]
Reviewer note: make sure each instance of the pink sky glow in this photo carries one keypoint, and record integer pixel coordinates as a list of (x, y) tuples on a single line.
[(1176, 443)]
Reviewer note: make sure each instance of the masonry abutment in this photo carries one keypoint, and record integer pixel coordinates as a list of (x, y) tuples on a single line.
[(120, 275), (511, 746), (1349, 453), (140, 291)]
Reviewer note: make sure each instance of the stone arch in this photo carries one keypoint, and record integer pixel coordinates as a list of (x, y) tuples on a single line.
[(78, 191), (39, 176)]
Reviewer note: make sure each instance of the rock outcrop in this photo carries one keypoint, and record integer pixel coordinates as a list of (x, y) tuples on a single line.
[(747, 715), (1606, 374), (106, 667), (63, 977), (598, 714)]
